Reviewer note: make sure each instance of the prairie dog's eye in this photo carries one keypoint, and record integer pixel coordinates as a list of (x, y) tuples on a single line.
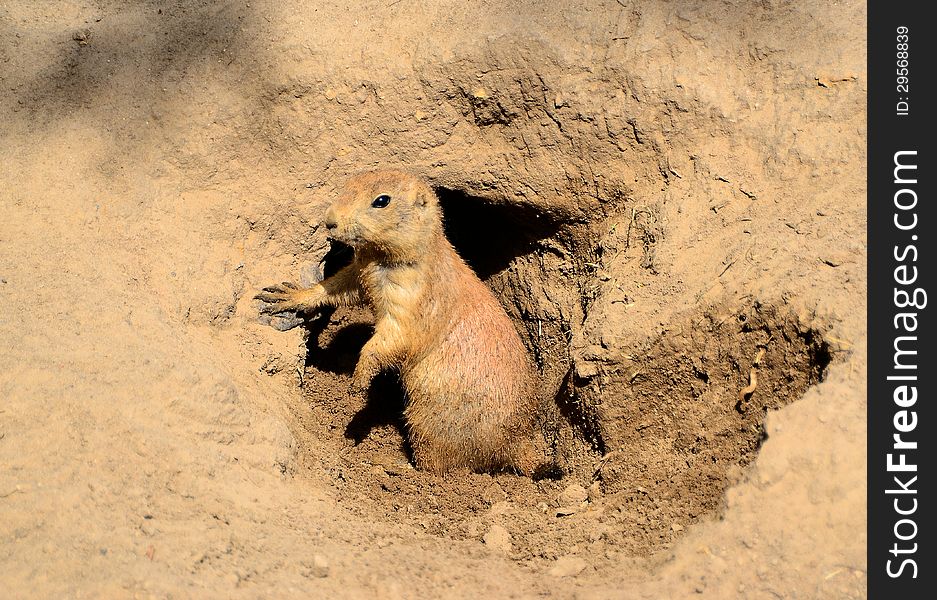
[(381, 201)]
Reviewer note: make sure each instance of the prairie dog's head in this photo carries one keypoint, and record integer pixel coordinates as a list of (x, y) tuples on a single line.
[(392, 212)]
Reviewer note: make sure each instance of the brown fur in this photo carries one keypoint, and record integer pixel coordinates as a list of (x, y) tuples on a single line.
[(469, 383)]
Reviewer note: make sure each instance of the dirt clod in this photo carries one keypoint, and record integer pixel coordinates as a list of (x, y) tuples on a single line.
[(574, 494), (498, 539), (319, 566)]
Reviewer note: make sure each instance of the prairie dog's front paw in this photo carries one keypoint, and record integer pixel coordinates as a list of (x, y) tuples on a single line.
[(361, 379), (284, 297), (360, 383)]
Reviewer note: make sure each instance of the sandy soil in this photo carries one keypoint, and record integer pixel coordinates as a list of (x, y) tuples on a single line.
[(667, 197)]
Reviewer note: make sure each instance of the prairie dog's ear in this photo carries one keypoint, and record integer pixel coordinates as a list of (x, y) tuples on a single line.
[(423, 195)]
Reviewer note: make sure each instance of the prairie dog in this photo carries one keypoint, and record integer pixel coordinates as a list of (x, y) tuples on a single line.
[(469, 383)]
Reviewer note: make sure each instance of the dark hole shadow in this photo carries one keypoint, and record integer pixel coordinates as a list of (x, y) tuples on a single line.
[(820, 356), (384, 407), (585, 424), (548, 471), (489, 236), (385, 401), (337, 258), (340, 355)]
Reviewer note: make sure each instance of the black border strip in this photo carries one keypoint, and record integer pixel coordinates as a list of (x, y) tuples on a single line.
[(901, 265)]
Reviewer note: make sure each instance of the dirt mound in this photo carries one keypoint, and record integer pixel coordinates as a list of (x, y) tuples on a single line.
[(667, 198)]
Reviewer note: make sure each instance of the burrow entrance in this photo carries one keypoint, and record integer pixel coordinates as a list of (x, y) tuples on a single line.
[(663, 438)]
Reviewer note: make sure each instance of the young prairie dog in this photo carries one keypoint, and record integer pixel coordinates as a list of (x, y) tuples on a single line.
[(469, 384)]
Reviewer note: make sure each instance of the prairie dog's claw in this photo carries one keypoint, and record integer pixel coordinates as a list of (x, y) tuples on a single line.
[(279, 298)]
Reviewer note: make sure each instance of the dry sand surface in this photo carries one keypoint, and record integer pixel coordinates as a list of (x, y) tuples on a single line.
[(668, 198)]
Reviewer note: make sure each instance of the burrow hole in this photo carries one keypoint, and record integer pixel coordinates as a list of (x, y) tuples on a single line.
[(647, 451)]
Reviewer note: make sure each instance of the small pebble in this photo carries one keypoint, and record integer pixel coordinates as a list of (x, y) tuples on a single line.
[(574, 494), (498, 539), (320, 566), (282, 321), (310, 275)]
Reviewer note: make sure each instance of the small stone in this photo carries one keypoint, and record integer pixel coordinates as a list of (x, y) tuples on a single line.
[(498, 539), (148, 528), (565, 511), (677, 527), (310, 275), (320, 566), (833, 259), (573, 495), (586, 370), (283, 321), (567, 566)]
